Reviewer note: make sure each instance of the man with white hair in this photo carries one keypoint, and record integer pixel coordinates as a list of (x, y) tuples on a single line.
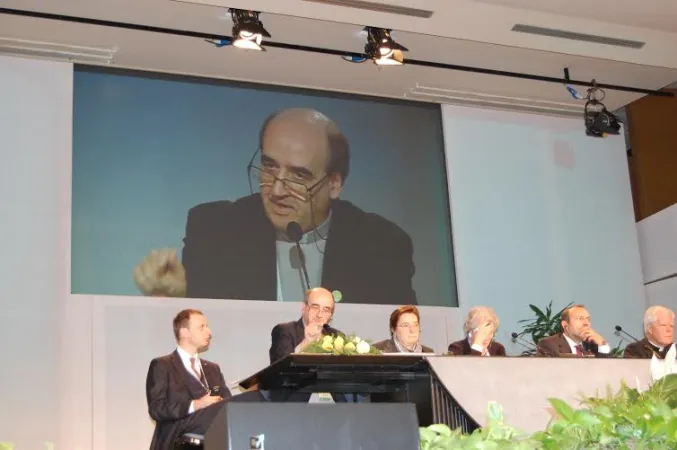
[(480, 327), (659, 332)]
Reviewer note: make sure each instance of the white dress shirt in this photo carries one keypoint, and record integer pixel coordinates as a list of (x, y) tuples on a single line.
[(185, 359), (605, 349), (479, 348)]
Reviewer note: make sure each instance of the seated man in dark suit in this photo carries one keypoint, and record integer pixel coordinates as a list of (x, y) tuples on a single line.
[(480, 327), (240, 249), (317, 311), (576, 339), (405, 332), (659, 334), (183, 390)]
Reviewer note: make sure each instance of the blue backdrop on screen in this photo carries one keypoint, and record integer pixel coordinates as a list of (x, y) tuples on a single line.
[(148, 149)]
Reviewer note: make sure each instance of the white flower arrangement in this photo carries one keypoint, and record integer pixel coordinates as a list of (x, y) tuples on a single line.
[(342, 345)]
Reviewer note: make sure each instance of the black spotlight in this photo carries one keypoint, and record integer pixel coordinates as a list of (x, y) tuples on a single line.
[(599, 122), (248, 31), (382, 48)]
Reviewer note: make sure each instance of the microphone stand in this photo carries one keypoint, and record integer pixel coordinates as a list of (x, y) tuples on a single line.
[(517, 340), (621, 330), (302, 258)]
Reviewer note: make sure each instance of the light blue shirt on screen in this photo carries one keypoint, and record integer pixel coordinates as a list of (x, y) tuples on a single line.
[(290, 282)]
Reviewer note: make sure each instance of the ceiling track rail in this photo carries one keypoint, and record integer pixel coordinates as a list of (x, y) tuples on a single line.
[(326, 51)]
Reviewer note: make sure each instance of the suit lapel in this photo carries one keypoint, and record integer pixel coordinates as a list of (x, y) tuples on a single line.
[(213, 379), (390, 347), (563, 344), (179, 368), (336, 261), (299, 332)]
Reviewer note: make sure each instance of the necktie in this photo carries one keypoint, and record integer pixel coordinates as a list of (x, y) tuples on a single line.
[(196, 371), (579, 350)]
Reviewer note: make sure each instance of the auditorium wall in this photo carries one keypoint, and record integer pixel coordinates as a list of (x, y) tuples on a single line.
[(658, 246), (538, 213), (541, 212)]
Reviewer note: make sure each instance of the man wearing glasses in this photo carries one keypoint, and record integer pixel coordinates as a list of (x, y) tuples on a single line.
[(317, 310), (240, 250), (293, 337)]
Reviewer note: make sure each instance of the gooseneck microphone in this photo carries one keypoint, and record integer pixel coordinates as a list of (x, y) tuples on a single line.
[(621, 330), (526, 344), (295, 233)]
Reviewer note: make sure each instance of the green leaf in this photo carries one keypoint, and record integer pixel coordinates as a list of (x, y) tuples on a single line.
[(538, 312), (494, 412), (441, 429), (586, 419), (562, 408)]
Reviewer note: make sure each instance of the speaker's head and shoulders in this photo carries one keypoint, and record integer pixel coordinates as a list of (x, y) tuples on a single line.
[(317, 311), (303, 163)]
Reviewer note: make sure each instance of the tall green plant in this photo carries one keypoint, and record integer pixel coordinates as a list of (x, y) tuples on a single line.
[(546, 323)]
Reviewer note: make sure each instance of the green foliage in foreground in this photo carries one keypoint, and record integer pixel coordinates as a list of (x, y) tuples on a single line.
[(628, 419)]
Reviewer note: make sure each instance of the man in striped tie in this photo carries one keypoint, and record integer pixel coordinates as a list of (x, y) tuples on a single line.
[(577, 338), (182, 389)]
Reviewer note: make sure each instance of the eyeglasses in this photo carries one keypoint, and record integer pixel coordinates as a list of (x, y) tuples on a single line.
[(266, 178), (317, 309), (410, 326)]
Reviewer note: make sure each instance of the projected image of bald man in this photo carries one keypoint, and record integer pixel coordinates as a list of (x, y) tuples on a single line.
[(240, 249)]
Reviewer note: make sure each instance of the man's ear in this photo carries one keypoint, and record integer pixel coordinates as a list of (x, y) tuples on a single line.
[(335, 185)]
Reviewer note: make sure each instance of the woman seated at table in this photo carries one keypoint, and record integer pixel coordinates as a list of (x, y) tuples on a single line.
[(480, 327), (405, 331)]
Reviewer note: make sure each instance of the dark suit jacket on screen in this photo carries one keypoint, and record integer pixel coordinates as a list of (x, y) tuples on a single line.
[(229, 253), (556, 345), (463, 347), (170, 388), (644, 350), (388, 346)]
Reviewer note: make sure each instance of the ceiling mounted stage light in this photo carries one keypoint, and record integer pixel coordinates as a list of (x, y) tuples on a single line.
[(599, 122), (248, 31), (382, 48)]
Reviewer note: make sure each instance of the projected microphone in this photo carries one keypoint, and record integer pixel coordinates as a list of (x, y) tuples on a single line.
[(295, 233), (526, 344), (620, 330)]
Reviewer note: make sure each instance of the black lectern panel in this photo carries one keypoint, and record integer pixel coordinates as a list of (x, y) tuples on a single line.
[(296, 426), (382, 378), (349, 374)]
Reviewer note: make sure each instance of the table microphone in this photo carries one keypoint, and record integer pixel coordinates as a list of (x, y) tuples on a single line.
[(522, 342), (295, 233), (620, 330)]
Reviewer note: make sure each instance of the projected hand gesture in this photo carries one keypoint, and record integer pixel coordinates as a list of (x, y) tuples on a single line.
[(161, 274)]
